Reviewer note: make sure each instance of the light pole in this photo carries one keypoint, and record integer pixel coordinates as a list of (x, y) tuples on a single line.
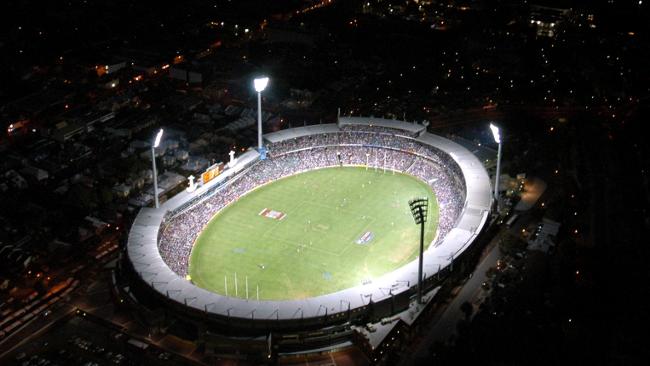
[(153, 162), (497, 138), (260, 84), (419, 209)]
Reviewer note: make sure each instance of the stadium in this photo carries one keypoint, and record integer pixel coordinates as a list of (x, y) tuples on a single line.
[(315, 233)]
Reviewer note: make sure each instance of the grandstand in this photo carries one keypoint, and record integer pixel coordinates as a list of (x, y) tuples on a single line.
[(161, 241)]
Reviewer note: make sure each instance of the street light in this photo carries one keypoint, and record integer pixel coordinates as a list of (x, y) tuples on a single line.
[(153, 162), (419, 209), (260, 84), (497, 138)]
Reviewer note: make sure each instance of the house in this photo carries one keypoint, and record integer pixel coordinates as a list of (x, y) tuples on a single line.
[(16, 179), (38, 174), (195, 164), (122, 190), (544, 234), (65, 131)]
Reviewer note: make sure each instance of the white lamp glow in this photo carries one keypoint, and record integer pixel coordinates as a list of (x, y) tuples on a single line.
[(495, 133), (260, 84), (158, 138), (497, 138), (156, 142)]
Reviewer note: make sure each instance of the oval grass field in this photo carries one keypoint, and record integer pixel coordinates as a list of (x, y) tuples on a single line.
[(312, 234)]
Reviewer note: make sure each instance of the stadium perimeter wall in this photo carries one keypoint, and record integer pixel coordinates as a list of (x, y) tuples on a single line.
[(383, 297)]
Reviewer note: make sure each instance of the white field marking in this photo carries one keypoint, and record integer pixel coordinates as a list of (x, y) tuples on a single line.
[(365, 228), (300, 245), (273, 227)]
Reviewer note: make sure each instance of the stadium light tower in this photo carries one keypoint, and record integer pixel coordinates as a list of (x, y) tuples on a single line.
[(419, 209), (260, 84), (156, 142), (496, 133)]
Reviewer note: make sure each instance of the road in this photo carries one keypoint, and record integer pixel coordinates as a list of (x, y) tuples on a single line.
[(33, 328), (59, 311), (443, 325)]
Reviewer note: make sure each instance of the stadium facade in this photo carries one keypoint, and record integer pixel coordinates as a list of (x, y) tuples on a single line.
[(156, 266)]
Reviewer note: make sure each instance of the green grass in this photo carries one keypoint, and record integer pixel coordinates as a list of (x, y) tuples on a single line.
[(313, 250)]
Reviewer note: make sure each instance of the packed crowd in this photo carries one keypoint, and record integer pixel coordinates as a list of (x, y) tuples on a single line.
[(379, 129), (346, 137), (288, 157)]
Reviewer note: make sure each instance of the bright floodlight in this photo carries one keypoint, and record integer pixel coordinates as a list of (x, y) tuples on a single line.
[(158, 137), (495, 133), (260, 84), (497, 139), (156, 142)]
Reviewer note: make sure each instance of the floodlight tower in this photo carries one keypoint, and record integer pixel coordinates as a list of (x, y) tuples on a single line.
[(260, 84), (496, 133), (156, 142), (419, 209)]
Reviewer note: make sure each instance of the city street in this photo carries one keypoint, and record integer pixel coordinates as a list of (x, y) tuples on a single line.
[(443, 325)]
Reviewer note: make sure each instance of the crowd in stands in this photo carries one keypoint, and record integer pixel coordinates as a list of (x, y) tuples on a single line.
[(379, 129), (346, 137), (288, 157)]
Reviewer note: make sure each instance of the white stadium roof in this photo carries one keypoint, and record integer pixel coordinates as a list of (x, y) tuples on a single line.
[(148, 264)]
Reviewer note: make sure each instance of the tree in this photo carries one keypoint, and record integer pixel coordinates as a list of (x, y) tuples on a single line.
[(511, 244), (82, 197), (467, 309), (106, 195)]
